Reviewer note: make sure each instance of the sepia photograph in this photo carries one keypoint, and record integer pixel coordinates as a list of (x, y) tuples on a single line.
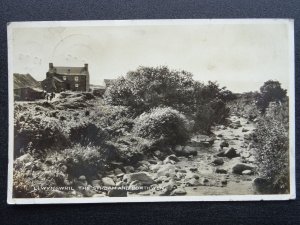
[(151, 110)]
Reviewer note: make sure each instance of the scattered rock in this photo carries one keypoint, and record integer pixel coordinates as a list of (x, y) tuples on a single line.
[(231, 153), (262, 186), (224, 182), (247, 172), (129, 169), (166, 170), (179, 191), (186, 150), (244, 130), (152, 161), (221, 171), (240, 167), (142, 177), (107, 181), (224, 144), (99, 195), (218, 161), (118, 172), (96, 183), (82, 178), (26, 158), (193, 182), (193, 169)]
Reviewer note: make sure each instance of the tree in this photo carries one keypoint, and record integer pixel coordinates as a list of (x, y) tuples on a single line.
[(271, 91)]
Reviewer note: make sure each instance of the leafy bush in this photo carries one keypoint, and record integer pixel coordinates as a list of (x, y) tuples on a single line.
[(166, 123), (213, 112), (34, 179), (272, 154), (148, 88), (39, 132), (85, 160), (269, 92), (87, 134)]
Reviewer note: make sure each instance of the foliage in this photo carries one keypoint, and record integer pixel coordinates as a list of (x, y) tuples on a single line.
[(148, 88), (85, 160), (269, 92), (166, 123), (273, 147), (88, 134)]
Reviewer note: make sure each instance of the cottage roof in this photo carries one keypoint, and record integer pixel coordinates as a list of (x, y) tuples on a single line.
[(59, 80), (63, 70)]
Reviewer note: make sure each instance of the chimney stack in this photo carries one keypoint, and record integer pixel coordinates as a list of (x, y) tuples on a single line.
[(86, 66), (50, 65)]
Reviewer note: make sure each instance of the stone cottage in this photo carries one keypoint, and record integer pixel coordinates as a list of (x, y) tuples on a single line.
[(59, 78)]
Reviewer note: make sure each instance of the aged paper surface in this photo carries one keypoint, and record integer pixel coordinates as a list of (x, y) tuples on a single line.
[(151, 110)]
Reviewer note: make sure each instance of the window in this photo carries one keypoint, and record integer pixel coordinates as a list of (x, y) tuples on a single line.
[(76, 85), (76, 78), (64, 78)]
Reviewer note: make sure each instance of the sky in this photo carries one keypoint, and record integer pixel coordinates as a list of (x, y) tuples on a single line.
[(240, 56)]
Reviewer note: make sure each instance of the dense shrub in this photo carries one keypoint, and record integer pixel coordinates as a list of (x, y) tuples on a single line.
[(148, 88), (272, 153), (166, 123), (271, 91), (34, 179), (85, 160), (38, 132), (88, 134), (131, 149), (211, 113)]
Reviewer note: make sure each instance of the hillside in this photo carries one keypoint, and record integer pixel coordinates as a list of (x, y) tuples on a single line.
[(25, 80)]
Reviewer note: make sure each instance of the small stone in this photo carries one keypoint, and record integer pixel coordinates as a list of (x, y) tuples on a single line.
[(107, 181), (193, 169), (240, 167), (221, 171), (129, 169), (82, 178), (96, 183), (179, 191), (218, 161), (247, 172)]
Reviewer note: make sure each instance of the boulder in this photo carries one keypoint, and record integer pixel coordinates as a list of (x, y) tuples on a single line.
[(118, 172), (96, 183), (178, 191), (231, 153), (221, 171), (240, 167), (193, 182), (218, 161), (129, 169), (224, 144), (26, 158), (194, 169), (166, 170), (186, 150), (142, 177), (99, 195), (172, 158), (155, 168), (107, 181), (247, 172), (262, 186)]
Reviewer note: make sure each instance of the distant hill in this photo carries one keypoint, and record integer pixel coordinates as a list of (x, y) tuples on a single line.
[(25, 80)]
